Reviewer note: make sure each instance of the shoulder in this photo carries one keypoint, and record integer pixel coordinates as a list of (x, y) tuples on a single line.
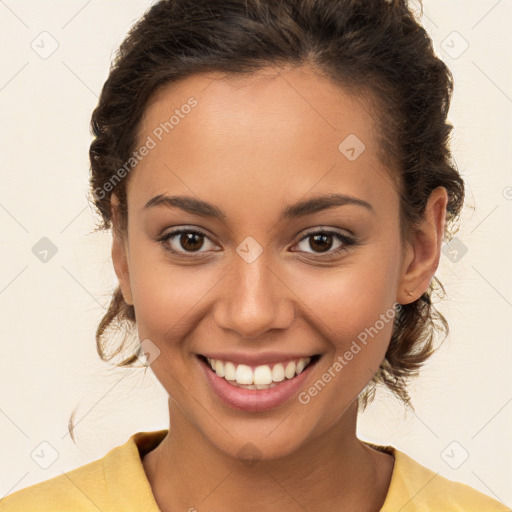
[(81, 489), (115, 482), (415, 488)]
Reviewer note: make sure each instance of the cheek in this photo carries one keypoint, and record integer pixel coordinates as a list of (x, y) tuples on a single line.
[(166, 296), (348, 299), (358, 335), (353, 309)]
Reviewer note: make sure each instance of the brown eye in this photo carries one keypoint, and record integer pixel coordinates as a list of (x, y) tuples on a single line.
[(191, 241), (185, 241), (322, 242)]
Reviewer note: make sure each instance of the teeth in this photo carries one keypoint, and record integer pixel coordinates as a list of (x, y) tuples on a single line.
[(289, 371), (278, 373), (219, 368), (244, 374), (262, 377), (300, 366), (229, 371)]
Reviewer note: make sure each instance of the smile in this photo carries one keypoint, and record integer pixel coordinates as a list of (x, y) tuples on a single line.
[(258, 377), (253, 388)]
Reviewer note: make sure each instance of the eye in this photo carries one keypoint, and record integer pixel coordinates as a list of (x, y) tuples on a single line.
[(189, 242), (322, 241)]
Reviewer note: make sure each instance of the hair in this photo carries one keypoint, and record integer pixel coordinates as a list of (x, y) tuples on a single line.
[(374, 48)]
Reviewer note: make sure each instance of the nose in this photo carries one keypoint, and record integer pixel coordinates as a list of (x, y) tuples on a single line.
[(254, 299)]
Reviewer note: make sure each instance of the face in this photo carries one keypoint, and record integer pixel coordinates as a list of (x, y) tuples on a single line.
[(248, 265)]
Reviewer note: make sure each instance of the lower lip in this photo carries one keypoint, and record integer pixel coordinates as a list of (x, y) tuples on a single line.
[(255, 399)]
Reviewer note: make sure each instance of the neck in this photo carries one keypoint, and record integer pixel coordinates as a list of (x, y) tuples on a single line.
[(336, 470)]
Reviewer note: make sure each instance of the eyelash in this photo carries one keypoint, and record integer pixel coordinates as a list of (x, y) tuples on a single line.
[(346, 241)]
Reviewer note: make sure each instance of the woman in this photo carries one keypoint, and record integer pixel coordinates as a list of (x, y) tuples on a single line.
[(278, 180)]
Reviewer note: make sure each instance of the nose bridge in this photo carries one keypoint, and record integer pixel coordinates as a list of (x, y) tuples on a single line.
[(254, 299)]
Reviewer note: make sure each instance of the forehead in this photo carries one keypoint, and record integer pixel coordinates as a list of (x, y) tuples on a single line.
[(274, 132)]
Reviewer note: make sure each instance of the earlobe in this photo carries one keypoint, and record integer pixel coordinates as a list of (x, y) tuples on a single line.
[(120, 254), (423, 253)]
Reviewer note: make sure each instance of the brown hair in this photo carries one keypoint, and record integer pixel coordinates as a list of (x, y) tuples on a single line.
[(373, 47)]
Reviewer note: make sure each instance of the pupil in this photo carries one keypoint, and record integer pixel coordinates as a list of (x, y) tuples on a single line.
[(322, 240), (187, 238)]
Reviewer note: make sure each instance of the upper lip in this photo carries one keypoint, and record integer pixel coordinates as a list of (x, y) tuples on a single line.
[(251, 359)]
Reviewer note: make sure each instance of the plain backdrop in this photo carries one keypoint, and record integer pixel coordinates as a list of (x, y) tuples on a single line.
[(55, 58)]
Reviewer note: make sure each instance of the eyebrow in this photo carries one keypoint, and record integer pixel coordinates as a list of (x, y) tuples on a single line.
[(300, 209)]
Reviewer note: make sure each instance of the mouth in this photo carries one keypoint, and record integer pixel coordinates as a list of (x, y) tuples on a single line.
[(260, 377), (258, 388)]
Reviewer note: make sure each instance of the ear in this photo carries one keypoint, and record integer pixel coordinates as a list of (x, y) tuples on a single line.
[(423, 251), (120, 254)]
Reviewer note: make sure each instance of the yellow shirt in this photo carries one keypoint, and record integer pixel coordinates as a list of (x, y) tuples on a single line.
[(117, 483)]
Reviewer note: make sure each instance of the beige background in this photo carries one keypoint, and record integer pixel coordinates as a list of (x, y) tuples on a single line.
[(49, 311)]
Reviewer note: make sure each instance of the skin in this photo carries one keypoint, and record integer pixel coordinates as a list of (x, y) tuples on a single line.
[(250, 146)]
